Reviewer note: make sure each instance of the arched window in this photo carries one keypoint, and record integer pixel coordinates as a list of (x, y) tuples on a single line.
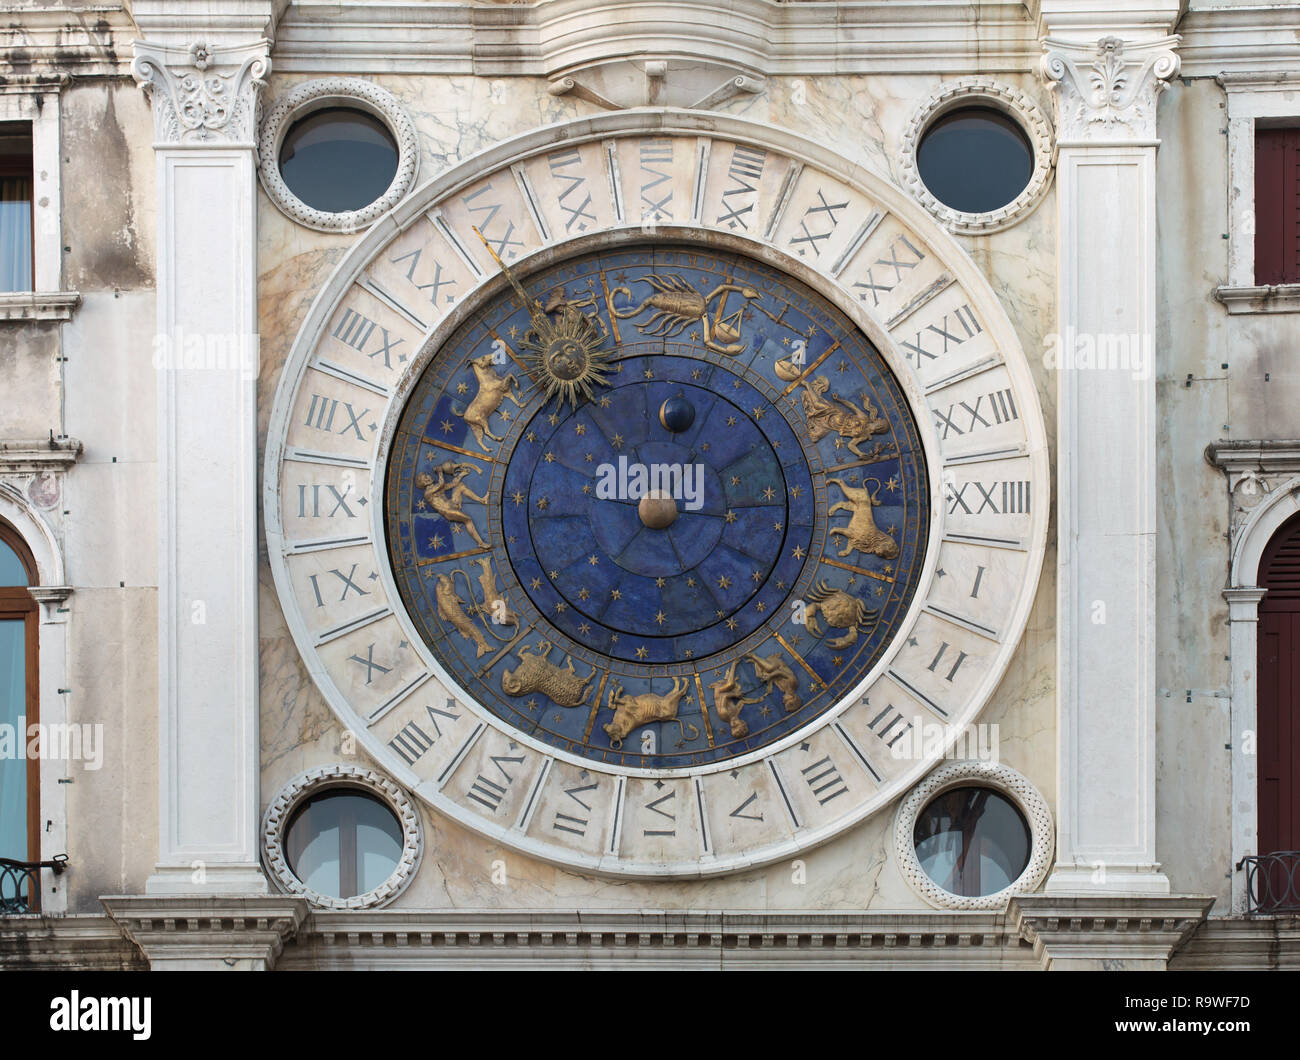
[(19, 775), (1279, 691)]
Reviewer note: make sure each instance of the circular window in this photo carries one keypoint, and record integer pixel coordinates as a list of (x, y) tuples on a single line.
[(338, 159), (338, 153), (343, 843), (975, 159), (978, 155), (343, 837), (972, 841), (972, 834)]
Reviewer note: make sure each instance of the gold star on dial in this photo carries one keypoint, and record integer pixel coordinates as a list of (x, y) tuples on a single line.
[(769, 494), (593, 560), (660, 582), (579, 428), (798, 552), (583, 594), (731, 516), (616, 594), (542, 503), (517, 497), (724, 582), (585, 627), (446, 426), (435, 542), (554, 574), (549, 458), (660, 618), (617, 441), (461, 388), (641, 652)]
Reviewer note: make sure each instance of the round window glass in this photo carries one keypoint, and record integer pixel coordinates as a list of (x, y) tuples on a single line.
[(972, 841), (338, 159), (975, 159), (343, 843)]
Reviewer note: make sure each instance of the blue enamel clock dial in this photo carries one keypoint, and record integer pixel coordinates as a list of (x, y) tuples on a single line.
[(697, 559)]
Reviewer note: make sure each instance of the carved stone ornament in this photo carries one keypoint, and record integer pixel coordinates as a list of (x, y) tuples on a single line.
[(204, 94), (982, 92), (359, 94), (326, 778), (1108, 91), (1005, 781)]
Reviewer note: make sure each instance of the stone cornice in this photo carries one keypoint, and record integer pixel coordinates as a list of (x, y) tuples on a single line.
[(1106, 90), (561, 38), (1104, 931), (203, 95), (26, 305), (178, 22), (20, 456), (194, 931), (522, 939)]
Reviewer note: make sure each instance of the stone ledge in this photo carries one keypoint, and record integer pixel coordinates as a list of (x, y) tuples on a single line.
[(1101, 932), (1275, 298), (28, 455), (79, 942), (650, 939), (212, 933), (22, 306)]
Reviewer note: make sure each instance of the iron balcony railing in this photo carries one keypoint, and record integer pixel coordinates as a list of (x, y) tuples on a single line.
[(1272, 882), (20, 883)]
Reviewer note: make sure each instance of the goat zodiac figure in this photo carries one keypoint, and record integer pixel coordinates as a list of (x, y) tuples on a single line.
[(677, 305)]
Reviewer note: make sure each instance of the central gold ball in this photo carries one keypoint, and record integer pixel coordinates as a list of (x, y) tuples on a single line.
[(657, 509)]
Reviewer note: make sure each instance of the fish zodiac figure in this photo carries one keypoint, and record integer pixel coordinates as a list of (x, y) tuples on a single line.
[(445, 492), (631, 712), (862, 534), (839, 609), (536, 673), (493, 389), (677, 305), (451, 609)]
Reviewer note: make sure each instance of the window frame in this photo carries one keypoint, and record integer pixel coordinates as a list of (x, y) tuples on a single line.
[(1254, 100), (11, 168), (16, 602)]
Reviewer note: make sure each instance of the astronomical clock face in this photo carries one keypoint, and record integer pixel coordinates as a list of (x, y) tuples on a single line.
[(648, 503)]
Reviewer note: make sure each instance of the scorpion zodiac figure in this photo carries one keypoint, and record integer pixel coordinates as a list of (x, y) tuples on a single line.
[(677, 305), (445, 492)]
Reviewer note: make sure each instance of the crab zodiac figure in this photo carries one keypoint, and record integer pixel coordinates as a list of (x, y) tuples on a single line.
[(445, 492), (677, 305)]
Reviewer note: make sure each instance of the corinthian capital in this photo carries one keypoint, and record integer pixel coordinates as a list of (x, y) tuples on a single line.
[(1108, 90), (203, 94)]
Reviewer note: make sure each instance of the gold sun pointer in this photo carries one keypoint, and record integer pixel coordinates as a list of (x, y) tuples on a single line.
[(563, 354)]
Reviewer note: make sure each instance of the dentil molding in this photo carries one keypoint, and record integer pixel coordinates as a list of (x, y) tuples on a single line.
[(1107, 91), (203, 95)]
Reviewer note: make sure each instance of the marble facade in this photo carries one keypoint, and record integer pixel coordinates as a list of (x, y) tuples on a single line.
[(1129, 728)]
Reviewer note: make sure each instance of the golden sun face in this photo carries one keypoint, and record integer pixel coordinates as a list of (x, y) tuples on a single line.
[(565, 355)]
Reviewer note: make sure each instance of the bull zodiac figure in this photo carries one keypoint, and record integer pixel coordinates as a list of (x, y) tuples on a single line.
[(862, 534), (839, 609), (677, 305), (445, 492), (631, 712), (493, 389)]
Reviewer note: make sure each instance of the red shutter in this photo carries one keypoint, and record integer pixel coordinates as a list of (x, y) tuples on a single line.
[(1278, 728), (1277, 206)]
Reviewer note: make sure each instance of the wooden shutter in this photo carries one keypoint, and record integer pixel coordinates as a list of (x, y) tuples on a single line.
[(1277, 206), (1278, 727)]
